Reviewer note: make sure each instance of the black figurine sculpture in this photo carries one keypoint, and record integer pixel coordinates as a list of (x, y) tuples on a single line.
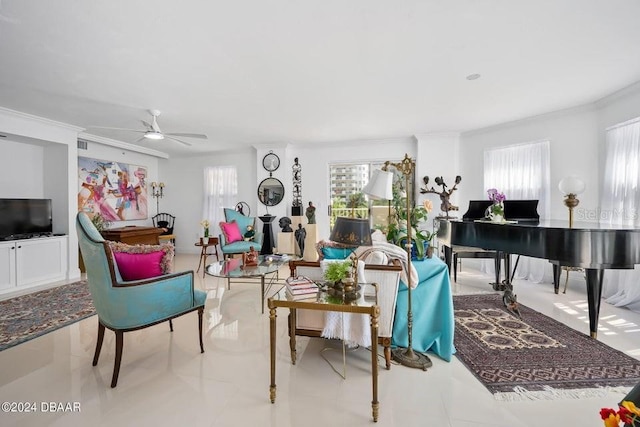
[(311, 213), (285, 224), (300, 234)]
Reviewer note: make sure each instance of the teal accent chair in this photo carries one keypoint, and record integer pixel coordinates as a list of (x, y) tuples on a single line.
[(127, 306), (242, 246)]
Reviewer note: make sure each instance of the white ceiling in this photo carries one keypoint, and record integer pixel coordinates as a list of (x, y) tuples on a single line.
[(310, 71)]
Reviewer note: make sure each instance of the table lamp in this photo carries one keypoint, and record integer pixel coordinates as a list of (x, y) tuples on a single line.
[(571, 186)]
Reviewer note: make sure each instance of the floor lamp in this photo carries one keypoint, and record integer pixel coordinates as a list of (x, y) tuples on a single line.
[(380, 187)]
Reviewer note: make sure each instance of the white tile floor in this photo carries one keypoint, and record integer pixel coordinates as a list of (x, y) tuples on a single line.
[(165, 381)]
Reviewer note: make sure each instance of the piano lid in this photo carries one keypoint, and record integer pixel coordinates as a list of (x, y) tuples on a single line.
[(514, 210)]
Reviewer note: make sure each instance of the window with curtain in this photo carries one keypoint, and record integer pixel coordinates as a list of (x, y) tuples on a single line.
[(521, 172), (347, 198), (620, 203), (220, 191)]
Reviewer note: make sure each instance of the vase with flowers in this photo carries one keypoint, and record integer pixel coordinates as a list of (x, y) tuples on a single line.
[(495, 212), (627, 413), (205, 224)]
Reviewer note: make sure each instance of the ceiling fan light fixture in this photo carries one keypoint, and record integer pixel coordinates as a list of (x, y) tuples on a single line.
[(153, 135)]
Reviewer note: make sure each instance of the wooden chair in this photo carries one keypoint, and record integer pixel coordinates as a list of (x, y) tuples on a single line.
[(166, 222)]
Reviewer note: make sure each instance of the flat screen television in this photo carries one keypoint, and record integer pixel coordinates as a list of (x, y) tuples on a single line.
[(25, 218)]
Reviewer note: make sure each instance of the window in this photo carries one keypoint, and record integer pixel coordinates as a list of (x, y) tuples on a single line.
[(220, 191), (621, 201), (347, 199), (521, 172)]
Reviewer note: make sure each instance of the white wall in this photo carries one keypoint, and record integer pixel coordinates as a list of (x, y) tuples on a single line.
[(573, 136), (15, 181), (184, 180)]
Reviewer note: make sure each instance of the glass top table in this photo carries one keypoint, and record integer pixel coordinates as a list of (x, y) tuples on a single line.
[(233, 268)]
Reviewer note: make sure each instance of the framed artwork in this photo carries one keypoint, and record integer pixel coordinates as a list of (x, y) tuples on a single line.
[(116, 190)]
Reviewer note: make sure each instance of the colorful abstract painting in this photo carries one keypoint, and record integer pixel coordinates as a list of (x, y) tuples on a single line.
[(116, 190)]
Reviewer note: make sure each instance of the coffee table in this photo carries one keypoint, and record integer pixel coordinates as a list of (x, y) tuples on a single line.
[(233, 268), (323, 302)]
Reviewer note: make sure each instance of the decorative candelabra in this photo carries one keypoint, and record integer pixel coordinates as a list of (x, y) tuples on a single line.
[(157, 191)]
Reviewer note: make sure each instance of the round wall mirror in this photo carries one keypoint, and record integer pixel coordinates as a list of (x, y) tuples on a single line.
[(270, 191), (271, 162)]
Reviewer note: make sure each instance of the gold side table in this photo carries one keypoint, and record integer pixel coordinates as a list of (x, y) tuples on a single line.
[(323, 302)]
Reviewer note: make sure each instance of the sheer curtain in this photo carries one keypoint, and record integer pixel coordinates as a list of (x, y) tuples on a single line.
[(220, 191), (620, 203), (522, 172)]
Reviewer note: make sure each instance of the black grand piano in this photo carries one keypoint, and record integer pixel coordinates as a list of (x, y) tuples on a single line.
[(592, 246)]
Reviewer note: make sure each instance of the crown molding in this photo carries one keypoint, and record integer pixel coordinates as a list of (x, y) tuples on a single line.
[(119, 144), (625, 91), (49, 122), (583, 108)]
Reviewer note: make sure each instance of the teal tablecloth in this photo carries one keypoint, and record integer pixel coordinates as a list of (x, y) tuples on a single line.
[(432, 308)]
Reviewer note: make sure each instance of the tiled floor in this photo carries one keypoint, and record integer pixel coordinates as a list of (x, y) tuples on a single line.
[(165, 381)]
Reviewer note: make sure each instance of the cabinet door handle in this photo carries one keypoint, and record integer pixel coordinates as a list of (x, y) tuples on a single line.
[(19, 247)]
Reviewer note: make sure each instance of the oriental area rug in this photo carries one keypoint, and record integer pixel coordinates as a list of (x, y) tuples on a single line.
[(535, 357), (29, 316)]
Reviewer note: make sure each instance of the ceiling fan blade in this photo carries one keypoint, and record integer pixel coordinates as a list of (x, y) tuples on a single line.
[(177, 140), (110, 128), (147, 125), (189, 135)]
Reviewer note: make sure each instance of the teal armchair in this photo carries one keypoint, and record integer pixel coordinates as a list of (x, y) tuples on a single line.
[(124, 306), (240, 246)]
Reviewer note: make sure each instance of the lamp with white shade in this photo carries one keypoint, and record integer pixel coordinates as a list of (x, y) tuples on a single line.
[(380, 187), (571, 186)]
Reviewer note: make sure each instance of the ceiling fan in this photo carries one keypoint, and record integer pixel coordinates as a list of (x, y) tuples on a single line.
[(153, 131)]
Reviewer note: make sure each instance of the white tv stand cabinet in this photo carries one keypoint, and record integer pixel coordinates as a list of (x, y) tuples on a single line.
[(31, 262)]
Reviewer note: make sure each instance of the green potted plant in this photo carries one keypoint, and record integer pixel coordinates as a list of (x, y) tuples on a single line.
[(398, 232), (336, 271)]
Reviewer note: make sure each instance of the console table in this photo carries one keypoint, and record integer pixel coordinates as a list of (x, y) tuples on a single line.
[(133, 235)]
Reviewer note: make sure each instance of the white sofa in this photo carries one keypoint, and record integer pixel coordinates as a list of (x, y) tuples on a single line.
[(311, 322)]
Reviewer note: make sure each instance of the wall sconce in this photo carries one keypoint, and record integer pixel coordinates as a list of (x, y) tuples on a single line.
[(571, 186), (157, 191)]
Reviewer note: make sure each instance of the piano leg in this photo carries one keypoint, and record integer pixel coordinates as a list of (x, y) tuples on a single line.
[(594, 292), (557, 271), (498, 285), (448, 255)]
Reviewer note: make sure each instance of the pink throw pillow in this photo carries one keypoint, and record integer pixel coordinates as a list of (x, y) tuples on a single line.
[(139, 266), (231, 231), (166, 248)]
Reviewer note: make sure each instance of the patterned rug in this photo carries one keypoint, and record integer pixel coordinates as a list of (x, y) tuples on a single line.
[(29, 316), (535, 357)]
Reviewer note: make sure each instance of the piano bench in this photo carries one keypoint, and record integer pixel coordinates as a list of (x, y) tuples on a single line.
[(469, 252)]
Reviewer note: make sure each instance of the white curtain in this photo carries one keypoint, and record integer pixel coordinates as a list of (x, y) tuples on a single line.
[(620, 204), (220, 191), (521, 172)]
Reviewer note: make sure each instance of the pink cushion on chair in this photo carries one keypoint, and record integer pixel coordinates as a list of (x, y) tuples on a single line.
[(166, 264), (231, 231), (139, 266)]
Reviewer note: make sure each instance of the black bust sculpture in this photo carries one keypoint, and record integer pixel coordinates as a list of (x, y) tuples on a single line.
[(285, 224)]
